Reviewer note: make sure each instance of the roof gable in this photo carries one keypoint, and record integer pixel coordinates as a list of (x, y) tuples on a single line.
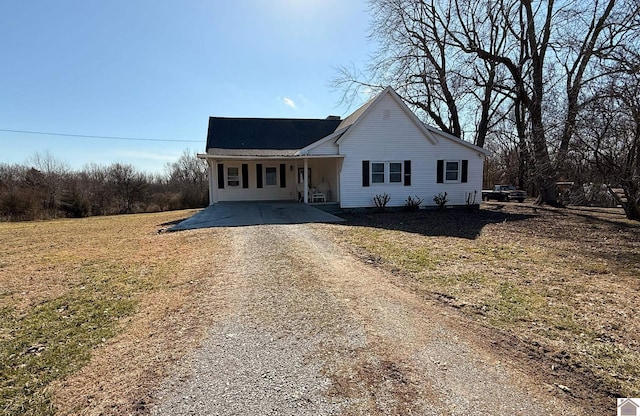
[(357, 116), (267, 133), (431, 133)]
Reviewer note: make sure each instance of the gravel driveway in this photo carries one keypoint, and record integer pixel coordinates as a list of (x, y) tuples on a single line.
[(313, 331)]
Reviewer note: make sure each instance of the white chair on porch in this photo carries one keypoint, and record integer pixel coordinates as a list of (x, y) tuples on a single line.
[(317, 196), (321, 192)]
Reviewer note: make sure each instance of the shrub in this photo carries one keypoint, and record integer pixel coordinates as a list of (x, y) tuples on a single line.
[(413, 203), (440, 200), (381, 201)]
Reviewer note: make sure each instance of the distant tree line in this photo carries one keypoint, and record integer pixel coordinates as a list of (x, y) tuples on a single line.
[(46, 187)]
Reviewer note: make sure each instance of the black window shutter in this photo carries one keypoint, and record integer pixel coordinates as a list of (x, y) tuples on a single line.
[(259, 175), (245, 175), (465, 171), (407, 173), (365, 173), (283, 175), (220, 176), (440, 173)]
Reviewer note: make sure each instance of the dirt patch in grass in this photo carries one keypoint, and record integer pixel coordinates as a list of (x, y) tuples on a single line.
[(554, 287), (94, 311)]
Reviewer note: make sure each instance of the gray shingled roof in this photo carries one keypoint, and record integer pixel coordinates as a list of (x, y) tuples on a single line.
[(267, 133)]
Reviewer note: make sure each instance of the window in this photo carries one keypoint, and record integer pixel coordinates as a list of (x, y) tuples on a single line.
[(377, 172), (233, 176), (271, 176), (386, 172), (395, 172), (452, 169)]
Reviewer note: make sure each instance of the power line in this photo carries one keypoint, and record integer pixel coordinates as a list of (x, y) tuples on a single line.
[(99, 137)]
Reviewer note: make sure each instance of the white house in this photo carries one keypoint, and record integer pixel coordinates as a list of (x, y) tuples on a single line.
[(381, 148)]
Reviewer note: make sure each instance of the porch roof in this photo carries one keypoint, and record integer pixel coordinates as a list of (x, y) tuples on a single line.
[(252, 152), (257, 154)]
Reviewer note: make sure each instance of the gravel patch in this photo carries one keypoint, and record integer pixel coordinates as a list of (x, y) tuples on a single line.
[(260, 360), (311, 330), (244, 370)]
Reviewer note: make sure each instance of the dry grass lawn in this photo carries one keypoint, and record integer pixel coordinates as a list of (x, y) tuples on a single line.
[(107, 288), (93, 312), (563, 283)]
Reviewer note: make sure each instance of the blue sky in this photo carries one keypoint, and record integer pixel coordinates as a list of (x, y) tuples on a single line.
[(157, 69)]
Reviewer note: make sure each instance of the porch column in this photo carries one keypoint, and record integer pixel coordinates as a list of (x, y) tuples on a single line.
[(305, 184), (213, 180), (337, 191)]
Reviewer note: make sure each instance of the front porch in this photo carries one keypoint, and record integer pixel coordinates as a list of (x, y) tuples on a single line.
[(276, 178), (320, 178)]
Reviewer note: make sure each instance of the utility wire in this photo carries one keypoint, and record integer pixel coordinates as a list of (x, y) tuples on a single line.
[(99, 137)]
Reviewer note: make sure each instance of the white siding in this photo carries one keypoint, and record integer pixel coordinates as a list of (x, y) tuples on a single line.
[(387, 134), (326, 148)]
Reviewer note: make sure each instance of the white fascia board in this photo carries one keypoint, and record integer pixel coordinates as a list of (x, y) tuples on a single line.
[(456, 139)]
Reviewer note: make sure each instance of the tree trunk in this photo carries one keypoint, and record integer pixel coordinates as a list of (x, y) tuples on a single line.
[(632, 210), (544, 174), (631, 206), (544, 177)]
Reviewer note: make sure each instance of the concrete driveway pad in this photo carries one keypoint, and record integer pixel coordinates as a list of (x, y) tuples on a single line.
[(237, 214)]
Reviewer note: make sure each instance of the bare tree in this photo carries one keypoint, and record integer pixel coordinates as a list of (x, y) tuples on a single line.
[(128, 185), (52, 181), (503, 57), (15, 201), (415, 57), (95, 178), (188, 178), (610, 136), (550, 46)]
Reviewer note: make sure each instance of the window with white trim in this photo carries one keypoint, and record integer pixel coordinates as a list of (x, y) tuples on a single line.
[(233, 176), (452, 171), (271, 176), (395, 172), (377, 172), (386, 172)]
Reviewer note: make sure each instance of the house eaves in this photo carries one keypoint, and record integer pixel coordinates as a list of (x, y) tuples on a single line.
[(456, 139)]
